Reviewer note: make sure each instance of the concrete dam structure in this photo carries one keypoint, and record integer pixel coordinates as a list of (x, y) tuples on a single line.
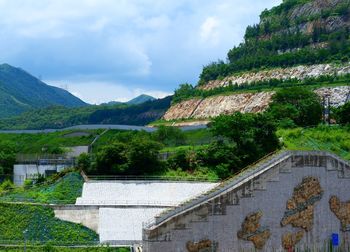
[(117, 209), (290, 200)]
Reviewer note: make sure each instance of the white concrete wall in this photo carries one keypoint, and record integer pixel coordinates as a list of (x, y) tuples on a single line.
[(152, 193), (86, 216), (124, 225)]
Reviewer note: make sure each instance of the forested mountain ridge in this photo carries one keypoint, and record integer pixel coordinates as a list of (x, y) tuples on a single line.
[(297, 32), (56, 117), (20, 91)]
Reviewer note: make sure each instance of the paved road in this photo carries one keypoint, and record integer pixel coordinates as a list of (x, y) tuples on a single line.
[(98, 126)]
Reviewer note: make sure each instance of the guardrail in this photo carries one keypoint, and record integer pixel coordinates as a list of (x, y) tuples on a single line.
[(82, 202), (97, 178)]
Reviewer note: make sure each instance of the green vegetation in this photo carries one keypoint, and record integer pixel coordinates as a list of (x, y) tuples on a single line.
[(296, 106), (187, 91), (62, 188), (61, 117), (334, 139), (7, 157), (342, 114), (34, 143), (41, 226), (278, 41)]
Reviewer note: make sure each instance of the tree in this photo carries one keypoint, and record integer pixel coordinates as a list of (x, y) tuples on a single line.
[(7, 157), (169, 135), (84, 162), (143, 157), (343, 114), (112, 159), (300, 105), (253, 134)]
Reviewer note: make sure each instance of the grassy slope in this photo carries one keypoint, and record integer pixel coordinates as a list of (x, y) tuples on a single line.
[(41, 226), (33, 143), (335, 139), (65, 190)]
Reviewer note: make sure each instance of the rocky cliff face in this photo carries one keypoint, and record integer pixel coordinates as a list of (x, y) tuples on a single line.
[(299, 72), (245, 103)]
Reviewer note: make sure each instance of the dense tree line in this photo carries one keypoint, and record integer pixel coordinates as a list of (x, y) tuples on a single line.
[(60, 117)]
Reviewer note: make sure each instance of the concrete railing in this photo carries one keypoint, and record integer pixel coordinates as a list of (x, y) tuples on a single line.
[(126, 203)]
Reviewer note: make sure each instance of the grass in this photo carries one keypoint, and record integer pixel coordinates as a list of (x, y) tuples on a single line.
[(41, 226), (64, 190), (334, 139), (33, 143)]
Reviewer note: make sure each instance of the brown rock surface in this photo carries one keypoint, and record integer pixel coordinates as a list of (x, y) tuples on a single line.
[(298, 72), (289, 240), (251, 230), (300, 208), (202, 246), (342, 211), (182, 110)]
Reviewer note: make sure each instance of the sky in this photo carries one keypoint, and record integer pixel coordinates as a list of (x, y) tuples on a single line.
[(115, 50)]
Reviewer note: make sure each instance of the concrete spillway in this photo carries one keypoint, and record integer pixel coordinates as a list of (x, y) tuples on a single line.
[(116, 210)]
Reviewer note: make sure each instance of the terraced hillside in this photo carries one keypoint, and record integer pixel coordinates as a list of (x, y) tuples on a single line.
[(298, 43)]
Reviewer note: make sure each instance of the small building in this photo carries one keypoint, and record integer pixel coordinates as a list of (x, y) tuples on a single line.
[(31, 166)]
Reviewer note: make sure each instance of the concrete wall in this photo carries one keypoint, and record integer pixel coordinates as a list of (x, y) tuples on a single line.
[(123, 225), (147, 193), (117, 209), (21, 172), (220, 219), (85, 215)]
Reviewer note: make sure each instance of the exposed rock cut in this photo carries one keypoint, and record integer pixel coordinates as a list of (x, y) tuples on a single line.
[(337, 95), (209, 107), (181, 110), (244, 103), (298, 72)]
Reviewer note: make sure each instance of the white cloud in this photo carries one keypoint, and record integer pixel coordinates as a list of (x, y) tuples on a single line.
[(209, 31), (157, 43), (97, 92)]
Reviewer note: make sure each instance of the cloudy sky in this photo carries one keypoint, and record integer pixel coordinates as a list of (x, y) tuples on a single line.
[(104, 50)]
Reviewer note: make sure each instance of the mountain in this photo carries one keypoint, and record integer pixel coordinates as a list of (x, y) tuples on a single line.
[(20, 91), (62, 117), (136, 101), (297, 32), (297, 43), (141, 99)]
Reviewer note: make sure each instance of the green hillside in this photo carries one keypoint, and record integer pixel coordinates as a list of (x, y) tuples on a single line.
[(141, 99), (295, 32), (41, 226), (64, 190), (62, 117), (20, 91), (33, 143)]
